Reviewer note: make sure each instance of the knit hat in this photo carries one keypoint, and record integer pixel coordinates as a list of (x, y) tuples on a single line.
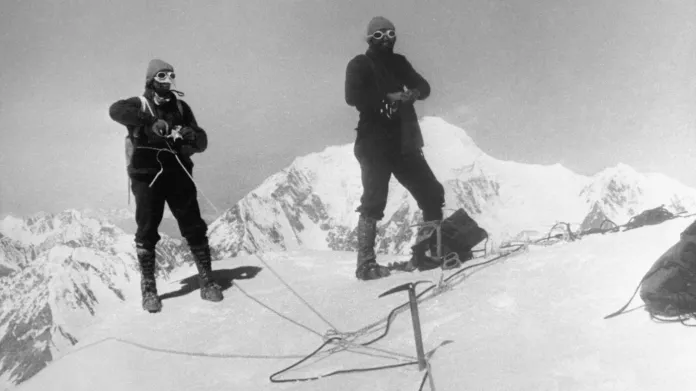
[(155, 66), (379, 22)]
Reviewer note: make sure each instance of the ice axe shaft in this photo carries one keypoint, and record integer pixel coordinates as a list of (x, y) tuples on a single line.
[(415, 318), (416, 328)]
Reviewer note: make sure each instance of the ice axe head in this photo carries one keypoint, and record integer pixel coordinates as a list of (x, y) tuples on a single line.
[(404, 287)]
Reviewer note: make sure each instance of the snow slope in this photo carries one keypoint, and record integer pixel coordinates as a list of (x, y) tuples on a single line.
[(62, 272), (532, 321)]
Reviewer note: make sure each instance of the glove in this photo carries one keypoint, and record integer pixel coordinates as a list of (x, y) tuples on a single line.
[(188, 134), (411, 95), (396, 96), (159, 129)]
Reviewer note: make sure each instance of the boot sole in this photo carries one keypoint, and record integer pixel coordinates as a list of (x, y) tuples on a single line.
[(153, 310), (213, 299)]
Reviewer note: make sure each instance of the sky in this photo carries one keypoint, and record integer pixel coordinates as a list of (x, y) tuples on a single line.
[(586, 84)]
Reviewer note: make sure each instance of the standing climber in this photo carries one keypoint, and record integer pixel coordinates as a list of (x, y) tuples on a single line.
[(162, 136), (383, 87)]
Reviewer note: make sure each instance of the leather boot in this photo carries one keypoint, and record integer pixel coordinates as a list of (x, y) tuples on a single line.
[(367, 266), (148, 284), (434, 260), (210, 290)]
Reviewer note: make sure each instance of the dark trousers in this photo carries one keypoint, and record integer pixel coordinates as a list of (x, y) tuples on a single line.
[(175, 188), (379, 159)]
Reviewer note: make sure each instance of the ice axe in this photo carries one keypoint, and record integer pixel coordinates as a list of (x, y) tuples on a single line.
[(413, 300)]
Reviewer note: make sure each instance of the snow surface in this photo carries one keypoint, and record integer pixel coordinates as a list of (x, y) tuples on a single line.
[(69, 270), (531, 321)]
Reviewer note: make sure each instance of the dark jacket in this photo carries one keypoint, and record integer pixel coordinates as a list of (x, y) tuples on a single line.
[(128, 112), (369, 77)]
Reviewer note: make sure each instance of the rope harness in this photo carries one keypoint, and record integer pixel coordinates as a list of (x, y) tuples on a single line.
[(174, 135)]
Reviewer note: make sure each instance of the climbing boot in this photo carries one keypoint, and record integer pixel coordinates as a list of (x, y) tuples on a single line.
[(148, 284), (367, 267), (210, 290)]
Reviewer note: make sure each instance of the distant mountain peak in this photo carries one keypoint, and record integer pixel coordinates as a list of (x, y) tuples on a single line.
[(311, 203), (622, 192)]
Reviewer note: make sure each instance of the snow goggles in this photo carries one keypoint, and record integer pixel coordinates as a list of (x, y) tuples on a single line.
[(164, 76), (391, 34)]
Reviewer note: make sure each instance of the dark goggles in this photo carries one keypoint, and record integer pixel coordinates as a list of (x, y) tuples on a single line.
[(391, 34)]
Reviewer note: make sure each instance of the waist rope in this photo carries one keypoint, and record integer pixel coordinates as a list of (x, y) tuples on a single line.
[(170, 150), (161, 170)]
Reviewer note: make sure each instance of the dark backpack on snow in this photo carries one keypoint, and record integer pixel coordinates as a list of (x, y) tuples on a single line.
[(460, 234), (669, 287)]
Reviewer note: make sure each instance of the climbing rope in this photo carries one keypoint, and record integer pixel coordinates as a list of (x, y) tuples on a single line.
[(278, 313), (389, 320), (346, 341), (176, 156), (569, 235), (179, 352), (338, 372), (192, 180), (294, 292)]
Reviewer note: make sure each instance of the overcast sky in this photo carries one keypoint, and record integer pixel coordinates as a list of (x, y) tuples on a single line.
[(587, 84)]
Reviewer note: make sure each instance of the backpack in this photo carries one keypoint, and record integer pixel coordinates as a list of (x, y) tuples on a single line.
[(459, 235), (668, 289), (650, 217)]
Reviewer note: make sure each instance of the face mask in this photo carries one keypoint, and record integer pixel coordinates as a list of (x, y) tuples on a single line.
[(161, 89)]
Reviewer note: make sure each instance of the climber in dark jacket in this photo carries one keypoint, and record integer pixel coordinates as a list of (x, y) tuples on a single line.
[(162, 135), (383, 86)]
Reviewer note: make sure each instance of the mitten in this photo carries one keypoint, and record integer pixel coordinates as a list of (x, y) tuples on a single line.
[(188, 134)]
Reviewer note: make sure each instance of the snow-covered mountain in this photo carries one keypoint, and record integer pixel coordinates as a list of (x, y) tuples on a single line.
[(47, 305), (110, 214), (66, 270), (621, 193), (14, 255), (596, 219), (311, 203), (124, 218), (42, 231)]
